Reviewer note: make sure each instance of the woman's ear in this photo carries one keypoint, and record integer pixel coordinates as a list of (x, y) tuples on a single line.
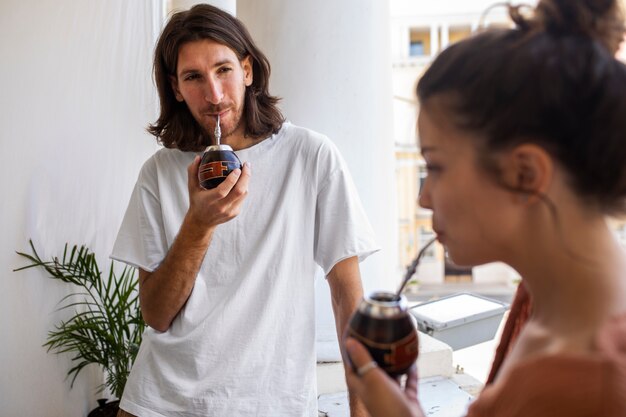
[(528, 169)]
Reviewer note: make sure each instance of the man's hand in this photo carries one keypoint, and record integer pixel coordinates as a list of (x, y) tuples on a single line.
[(210, 208)]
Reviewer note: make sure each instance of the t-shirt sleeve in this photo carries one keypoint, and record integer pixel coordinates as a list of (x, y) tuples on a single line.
[(342, 229), (141, 239)]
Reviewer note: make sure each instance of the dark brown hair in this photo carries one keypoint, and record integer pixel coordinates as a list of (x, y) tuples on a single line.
[(552, 80), (176, 127)]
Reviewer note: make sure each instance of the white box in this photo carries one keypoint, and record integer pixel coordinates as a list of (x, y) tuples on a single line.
[(460, 320)]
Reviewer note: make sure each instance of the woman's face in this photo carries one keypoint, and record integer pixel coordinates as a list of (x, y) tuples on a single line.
[(473, 216)]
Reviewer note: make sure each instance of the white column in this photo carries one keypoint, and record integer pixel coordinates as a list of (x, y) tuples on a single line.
[(400, 41), (405, 41), (434, 39), (331, 63), (475, 24), (445, 35)]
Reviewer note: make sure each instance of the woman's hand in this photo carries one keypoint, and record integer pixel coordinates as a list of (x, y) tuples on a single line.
[(382, 396)]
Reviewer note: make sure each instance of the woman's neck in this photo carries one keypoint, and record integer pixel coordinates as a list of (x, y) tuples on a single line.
[(575, 273)]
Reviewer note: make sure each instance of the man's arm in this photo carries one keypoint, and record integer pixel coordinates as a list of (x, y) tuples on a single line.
[(346, 292), (163, 292)]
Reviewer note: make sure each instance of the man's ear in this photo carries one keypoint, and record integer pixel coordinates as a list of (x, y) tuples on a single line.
[(528, 169), (246, 64), (174, 84)]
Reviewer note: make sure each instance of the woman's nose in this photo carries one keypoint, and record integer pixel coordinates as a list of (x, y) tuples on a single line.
[(423, 198)]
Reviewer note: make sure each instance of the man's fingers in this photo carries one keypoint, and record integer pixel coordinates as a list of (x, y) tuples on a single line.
[(245, 176), (192, 173), (237, 187), (224, 188), (222, 203)]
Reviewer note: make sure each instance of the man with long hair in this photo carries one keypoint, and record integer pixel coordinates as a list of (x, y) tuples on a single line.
[(226, 275)]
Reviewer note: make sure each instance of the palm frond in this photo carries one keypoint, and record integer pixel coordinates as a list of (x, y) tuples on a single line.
[(106, 326)]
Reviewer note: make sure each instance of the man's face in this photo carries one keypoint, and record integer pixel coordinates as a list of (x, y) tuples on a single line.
[(211, 80)]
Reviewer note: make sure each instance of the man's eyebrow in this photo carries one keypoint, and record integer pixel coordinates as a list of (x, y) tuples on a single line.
[(426, 149), (223, 62), (189, 70), (184, 71)]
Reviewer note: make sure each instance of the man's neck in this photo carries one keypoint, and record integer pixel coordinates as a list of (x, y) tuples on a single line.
[(239, 142)]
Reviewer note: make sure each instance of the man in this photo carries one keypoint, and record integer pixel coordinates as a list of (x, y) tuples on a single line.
[(226, 276)]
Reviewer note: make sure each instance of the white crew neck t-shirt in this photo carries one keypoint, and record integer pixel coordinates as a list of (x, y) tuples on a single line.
[(244, 343)]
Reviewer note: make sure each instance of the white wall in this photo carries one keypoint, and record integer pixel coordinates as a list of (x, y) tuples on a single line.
[(177, 5), (76, 95)]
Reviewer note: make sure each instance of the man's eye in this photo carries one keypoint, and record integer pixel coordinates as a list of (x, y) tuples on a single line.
[(225, 69), (192, 77)]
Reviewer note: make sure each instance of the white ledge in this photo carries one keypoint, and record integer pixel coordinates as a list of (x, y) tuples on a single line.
[(435, 359)]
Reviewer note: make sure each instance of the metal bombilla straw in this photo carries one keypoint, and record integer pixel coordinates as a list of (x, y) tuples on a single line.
[(218, 131), (413, 267)]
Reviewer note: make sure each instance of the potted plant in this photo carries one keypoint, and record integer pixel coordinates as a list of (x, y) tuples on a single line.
[(106, 324)]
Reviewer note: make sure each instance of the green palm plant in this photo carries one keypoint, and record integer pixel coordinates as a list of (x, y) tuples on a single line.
[(106, 325)]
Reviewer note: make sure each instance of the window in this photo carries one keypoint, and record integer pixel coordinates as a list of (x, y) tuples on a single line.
[(419, 42), (416, 48)]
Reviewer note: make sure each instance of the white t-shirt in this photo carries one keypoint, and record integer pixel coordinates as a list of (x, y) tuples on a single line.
[(244, 343)]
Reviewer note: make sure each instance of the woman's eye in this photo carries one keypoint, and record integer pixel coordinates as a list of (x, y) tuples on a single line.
[(432, 168)]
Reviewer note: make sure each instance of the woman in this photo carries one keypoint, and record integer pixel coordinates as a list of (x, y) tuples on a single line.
[(524, 135)]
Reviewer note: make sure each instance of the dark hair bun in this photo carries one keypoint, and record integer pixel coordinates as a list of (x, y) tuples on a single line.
[(602, 20), (553, 81)]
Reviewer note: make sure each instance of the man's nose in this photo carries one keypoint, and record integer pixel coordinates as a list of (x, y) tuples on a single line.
[(213, 92)]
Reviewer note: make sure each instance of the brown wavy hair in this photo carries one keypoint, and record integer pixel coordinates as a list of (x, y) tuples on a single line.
[(554, 80), (176, 127)]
